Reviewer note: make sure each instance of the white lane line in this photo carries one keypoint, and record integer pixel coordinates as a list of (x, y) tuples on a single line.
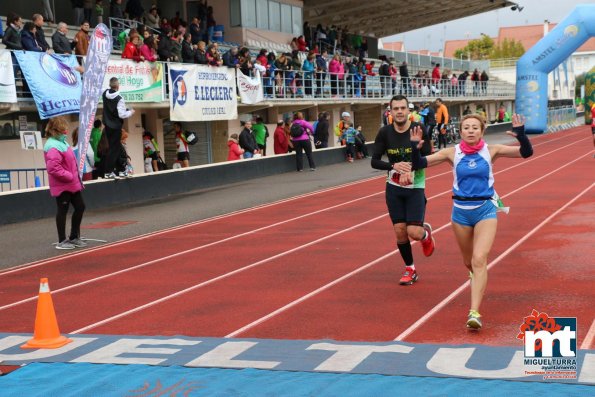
[(455, 293), (327, 286), (157, 260), (217, 217), (588, 341)]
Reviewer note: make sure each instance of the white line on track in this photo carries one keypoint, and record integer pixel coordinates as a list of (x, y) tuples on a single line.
[(278, 311), (588, 341), (217, 217), (157, 260), (456, 292)]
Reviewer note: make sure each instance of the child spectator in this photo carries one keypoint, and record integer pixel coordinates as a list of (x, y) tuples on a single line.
[(89, 157), (182, 145), (151, 149), (360, 143), (124, 164), (348, 136), (235, 152), (64, 182)]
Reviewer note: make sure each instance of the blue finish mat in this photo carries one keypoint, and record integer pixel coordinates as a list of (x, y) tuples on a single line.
[(106, 380)]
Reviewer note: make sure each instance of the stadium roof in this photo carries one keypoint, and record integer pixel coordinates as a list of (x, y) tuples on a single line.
[(381, 18)]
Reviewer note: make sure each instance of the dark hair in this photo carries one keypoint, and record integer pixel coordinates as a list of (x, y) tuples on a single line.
[(29, 26), (398, 98), (97, 124)]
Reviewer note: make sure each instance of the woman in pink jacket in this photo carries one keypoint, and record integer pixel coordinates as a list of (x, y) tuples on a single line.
[(302, 141), (334, 68), (65, 184)]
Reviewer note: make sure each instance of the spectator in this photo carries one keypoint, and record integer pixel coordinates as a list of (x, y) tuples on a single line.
[(294, 45), (115, 9), (149, 49), (28, 41), (79, 14), (114, 113), (360, 143), (262, 57), (152, 18), (340, 127), (95, 138), (308, 67), (99, 11), (213, 56), (194, 29), (467, 111), (182, 145), (60, 42), (247, 141), (302, 142), (280, 141), (88, 6), (334, 68), (47, 13), (436, 75), (176, 21), (188, 51), (200, 55), (287, 127), (176, 45), (124, 164), (37, 19), (165, 46), (132, 49), (301, 43), (348, 136), (261, 133), (429, 117), (484, 82), (211, 23), (385, 79), (64, 182), (404, 73), (81, 40), (441, 122), (321, 131), (475, 78), (89, 156), (231, 58), (151, 149), (101, 156), (134, 9), (462, 82), (12, 35), (165, 24), (321, 70), (234, 150)]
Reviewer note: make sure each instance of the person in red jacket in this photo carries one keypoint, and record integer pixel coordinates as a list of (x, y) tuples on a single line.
[(281, 143), (436, 75), (132, 49), (235, 151)]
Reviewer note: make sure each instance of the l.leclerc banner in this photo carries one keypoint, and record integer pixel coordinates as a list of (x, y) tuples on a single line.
[(202, 93), (139, 81), (8, 88), (53, 80), (98, 54), (250, 88)]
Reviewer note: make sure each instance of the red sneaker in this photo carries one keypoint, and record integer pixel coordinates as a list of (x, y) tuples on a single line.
[(409, 277), (428, 244)]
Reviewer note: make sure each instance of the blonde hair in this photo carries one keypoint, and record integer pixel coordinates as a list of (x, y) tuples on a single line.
[(478, 117), (57, 126)]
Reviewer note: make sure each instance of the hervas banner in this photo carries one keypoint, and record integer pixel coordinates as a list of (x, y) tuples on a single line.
[(250, 88), (139, 81), (8, 89), (53, 80), (98, 54), (202, 93)]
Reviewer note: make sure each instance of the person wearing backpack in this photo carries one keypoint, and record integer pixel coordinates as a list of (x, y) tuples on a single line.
[(300, 132)]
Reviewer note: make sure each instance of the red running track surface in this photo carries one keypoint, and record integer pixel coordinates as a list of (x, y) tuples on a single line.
[(324, 265)]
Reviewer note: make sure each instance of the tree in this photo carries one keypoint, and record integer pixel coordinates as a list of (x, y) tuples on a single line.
[(477, 49), (580, 81), (507, 48)]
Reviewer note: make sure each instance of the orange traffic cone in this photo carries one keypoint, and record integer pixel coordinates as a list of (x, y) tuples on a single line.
[(46, 334)]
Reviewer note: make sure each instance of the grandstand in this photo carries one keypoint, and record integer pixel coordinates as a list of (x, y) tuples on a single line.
[(365, 102)]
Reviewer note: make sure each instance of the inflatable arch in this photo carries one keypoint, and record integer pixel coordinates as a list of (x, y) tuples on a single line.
[(533, 67)]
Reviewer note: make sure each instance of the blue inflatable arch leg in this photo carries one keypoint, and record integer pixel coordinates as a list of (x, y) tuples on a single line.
[(533, 67)]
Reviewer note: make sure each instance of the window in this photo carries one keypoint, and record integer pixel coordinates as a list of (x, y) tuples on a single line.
[(262, 14), (235, 19), (249, 13), (274, 16), (286, 18), (296, 18)]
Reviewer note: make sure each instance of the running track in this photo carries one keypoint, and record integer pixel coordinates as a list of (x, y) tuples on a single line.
[(324, 265)]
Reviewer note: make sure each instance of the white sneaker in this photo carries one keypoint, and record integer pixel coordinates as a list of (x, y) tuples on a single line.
[(65, 245), (77, 242), (111, 175)]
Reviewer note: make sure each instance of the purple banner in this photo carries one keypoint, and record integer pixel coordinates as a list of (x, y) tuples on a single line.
[(100, 48)]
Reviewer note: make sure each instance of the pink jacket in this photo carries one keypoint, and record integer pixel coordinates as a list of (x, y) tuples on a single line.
[(146, 52), (307, 127), (62, 168)]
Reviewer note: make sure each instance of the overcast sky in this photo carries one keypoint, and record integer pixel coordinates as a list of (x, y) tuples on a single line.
[(534, 12)]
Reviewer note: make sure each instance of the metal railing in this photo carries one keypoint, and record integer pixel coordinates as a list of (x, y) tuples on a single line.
[(22, 178), (561, 118)]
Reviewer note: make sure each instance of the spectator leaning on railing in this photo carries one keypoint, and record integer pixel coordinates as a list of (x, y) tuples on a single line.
[(60, 42), (28, 41), (132, 49), (188, 50), (12, 35), (37, 20)]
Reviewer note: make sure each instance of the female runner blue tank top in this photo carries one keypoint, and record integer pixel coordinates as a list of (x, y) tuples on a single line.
[(473, 177)]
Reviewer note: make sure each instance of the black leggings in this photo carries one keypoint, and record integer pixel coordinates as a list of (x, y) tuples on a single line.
[(63, 201), (306, 146)]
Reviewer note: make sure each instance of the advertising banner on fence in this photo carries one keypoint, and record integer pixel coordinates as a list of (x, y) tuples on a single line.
[(202, 93), (250, 88), (98, 54), (53, 80), (139, 81), (8, 88)]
